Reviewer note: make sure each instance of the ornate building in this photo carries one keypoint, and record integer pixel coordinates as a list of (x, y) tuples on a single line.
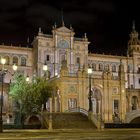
[(115, 80)]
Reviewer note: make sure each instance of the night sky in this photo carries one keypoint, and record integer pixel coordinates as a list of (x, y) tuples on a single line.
[(107, 23)]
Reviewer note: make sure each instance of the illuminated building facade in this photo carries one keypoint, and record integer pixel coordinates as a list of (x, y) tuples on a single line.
[(115, 80)]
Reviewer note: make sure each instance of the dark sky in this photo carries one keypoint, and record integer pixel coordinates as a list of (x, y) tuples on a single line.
[(107, 23)]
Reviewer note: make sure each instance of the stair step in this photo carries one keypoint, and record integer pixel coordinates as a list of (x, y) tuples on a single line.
[(70, 120)]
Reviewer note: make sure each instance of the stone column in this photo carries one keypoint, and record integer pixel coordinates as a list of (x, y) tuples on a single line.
[(50, 122), (50, 116), (55, 102), (60, 106), (50, 105)]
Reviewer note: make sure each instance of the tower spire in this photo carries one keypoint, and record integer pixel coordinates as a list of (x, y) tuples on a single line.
[(133, 41), (62, 17), (133, 26), (28, 42)]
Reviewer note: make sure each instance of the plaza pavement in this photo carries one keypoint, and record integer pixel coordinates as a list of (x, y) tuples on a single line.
[(71, 134)]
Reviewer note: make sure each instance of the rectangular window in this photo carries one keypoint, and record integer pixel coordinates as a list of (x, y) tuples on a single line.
[(72, 103), (139, 80), (132, 86), (48, 57), (78, 60), (0, 78), (138, 69), (62, 58), (116, 104), (116, 107)]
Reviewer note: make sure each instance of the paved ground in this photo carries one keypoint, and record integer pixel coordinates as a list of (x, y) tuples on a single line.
[(106, 134)]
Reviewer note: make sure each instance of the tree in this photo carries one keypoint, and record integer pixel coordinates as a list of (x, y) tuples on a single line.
[(29, 97), (44, 88)]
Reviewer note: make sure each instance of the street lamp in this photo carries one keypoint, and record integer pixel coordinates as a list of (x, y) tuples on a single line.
[(14, 67), (3, 71), (27, 78), (45, 69), (90, 92)]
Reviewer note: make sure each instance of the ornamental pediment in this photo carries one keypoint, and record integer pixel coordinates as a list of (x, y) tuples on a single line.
[(64, 29)]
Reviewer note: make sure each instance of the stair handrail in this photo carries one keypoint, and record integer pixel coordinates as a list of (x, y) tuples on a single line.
[(78, 109), (94, 119), (84, 111), (128, 115), (133, 112), (97, 120)]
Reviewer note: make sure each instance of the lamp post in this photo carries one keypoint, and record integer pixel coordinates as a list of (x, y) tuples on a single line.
[(90, 92), (3, 71), (45, 69)]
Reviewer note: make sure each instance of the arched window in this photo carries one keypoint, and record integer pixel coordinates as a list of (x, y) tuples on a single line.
[(23, 61), (113, 68), (94, 67), (100, 67), (15, 60), (106, 67), (7, 60)]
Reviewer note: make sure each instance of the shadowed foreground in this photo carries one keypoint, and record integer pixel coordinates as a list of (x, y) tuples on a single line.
[(75, 134)]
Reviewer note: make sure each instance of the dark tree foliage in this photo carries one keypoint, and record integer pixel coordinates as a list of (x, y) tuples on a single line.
[(30, 95)]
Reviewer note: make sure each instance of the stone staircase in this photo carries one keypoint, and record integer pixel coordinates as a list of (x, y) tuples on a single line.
[(68, 121)]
